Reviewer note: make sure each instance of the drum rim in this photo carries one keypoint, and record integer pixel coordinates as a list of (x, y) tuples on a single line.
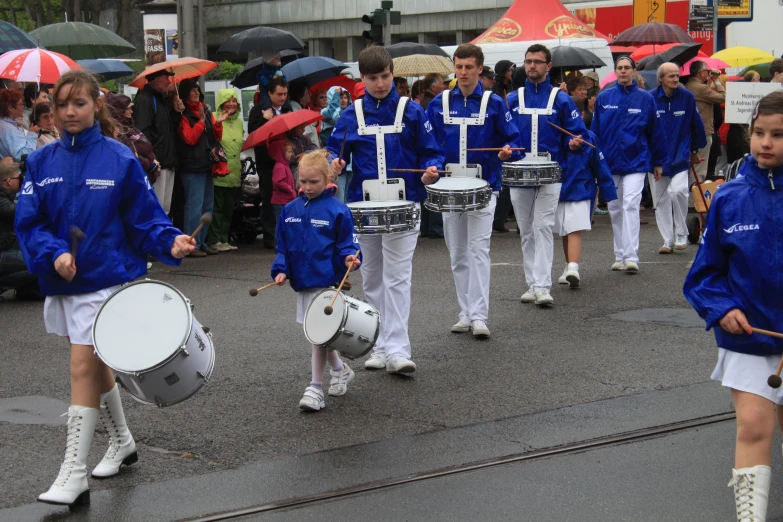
[(176, 352), (345, 316), (433, 188), (401, 204)]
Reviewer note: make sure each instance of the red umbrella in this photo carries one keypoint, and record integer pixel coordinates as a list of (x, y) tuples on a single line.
[(652, 33), (343, 81), (183, 68), (35, 65), (279, 125)]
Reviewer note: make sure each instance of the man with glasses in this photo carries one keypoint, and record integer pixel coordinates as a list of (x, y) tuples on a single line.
[(708, 92), (13, 271)]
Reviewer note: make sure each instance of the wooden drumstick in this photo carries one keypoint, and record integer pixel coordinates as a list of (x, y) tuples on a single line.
[(76, 237), (206, 219), (418, 170), (328, 309), (254, 291), (774, 380), (492, 149), (570, 134), (342, 147)]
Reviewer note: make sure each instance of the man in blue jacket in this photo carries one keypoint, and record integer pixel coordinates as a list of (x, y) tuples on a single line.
[(477, 119), (634, 144), (676, 106), (407, 144), (534, 207)]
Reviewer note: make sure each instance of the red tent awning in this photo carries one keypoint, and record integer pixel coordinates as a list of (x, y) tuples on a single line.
[(528, 20)]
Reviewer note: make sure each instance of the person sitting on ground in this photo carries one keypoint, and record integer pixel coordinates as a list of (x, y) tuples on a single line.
[(13, 271), (43, 117)]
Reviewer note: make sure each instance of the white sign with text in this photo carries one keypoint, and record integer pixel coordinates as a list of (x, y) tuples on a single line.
[(741, 99)]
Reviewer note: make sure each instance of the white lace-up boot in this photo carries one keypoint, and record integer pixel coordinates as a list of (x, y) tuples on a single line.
[(751, 492), (70, 487), (122, 447)]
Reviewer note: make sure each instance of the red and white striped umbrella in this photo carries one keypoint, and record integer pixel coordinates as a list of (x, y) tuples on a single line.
[(35, 65)]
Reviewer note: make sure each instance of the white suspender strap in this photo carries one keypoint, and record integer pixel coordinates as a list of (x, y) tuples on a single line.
[(380, 131), (464, 122), (534, 113)]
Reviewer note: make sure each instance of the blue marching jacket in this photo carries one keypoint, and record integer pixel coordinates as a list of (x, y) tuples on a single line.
[(739, 263), (683, 126), (626, 122), (314, 236), (498, 130), (414, 148), (587, 172), (565, 115), (96, 184)]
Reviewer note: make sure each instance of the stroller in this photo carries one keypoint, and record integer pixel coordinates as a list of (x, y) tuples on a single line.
[(703, 193), (246, 217)]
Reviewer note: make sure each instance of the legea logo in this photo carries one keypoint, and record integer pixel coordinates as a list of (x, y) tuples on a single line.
[(610, 106), (47, 181), (293, 220), (738, 227)]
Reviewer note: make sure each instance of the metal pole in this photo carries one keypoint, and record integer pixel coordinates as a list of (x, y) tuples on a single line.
[(387, 28), (179, 28), (188, 45), (202, 46), (715, 30)]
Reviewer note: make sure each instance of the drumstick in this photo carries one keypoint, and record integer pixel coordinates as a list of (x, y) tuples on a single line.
[(494, 149), (254, 291), (328, 309), (418, 170), (570, 134), (76, 237), (342, 147), (774, 380), (206, 219)]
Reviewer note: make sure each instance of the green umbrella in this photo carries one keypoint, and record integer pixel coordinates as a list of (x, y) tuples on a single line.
[(81, 41), (761, 68)]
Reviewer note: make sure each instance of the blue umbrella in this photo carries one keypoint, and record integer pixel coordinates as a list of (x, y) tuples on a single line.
[(107, 69), (313, 69), (12, 38)]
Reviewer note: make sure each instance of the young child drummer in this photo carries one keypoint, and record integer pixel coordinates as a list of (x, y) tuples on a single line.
[(315, 241), (122, 223), (735, 284)]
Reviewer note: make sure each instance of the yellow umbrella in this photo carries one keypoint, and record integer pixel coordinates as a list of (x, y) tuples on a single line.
[(743, 56)]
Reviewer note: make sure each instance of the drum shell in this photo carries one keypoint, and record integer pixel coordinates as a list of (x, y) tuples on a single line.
[(524, 174), (358, 330), (457, 200), (383, 219)]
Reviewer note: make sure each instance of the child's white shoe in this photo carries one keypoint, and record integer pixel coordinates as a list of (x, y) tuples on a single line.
[(339, 383), (312, 400)]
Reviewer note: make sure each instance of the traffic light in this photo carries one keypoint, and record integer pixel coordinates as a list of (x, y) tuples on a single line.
[(376, 20)]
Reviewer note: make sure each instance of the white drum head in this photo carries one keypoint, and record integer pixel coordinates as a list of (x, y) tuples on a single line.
[(459, 184), (378, 204), (319, 328), (140, 326)]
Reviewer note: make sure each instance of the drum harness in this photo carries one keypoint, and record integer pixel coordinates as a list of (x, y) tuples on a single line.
[(463, 123)]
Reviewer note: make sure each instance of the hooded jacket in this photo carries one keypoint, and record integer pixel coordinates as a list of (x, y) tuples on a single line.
[(565, 115), (626, 122), (586, 173), (415, 147), (232, 139), (683, 126), (498, 130), (196, 138), (94, 183), (314, 236), (155, 117), (332, 111), (283, 185), (739, 263)]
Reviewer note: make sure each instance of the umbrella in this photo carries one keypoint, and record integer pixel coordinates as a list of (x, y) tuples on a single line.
[(566, 57), (12, 38), (80, 40), (761, 68), (622, 49), (279, 125), (743, 56), (712, 63), (183, 68), (650, 80), (247, 76), (35, 65), (342, 81), (652, 33), (648, 50), (401, 49), (313, 69), (422, 64), (106, 69), (677, 53), (259, 39)]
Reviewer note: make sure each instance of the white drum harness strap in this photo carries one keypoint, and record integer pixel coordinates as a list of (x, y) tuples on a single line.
[(463, 123), (534, 113)]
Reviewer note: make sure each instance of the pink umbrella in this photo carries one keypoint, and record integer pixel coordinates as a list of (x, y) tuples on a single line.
[(609, 78), (712, 63)]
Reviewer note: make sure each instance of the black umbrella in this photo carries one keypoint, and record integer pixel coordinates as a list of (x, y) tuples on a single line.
[(401, 49), (679, 54), (313, 69), (259, 39), (565, 57)]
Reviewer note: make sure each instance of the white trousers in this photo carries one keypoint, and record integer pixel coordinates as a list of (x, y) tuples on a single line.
[(467, 238), (164, 188), (624, 212), (671, 200), (387, 265), (534, 209)]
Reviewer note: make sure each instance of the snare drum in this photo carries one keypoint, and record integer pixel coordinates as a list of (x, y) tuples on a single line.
[(351, 329), (530, 173), (146, 333), (384, 217), (458, 195)]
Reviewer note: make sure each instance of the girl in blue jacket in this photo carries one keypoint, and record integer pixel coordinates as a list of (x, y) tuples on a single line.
[(316, 242), (90, 181), (736, 282)]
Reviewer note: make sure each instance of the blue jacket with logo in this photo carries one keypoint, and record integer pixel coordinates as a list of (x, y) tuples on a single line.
[(96, 184), (587, 172), (740, 261), (498, 130), (415, 147), (683, 126), (632, 134), (314, 236), (565, 115)]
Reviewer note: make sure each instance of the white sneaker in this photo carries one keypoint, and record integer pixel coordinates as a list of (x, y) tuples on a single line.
[(665, 249), (632, 267), (681, 243), (231, 247), (572, 275), (529, 296), (339, 383), (480, 330), (312, 400), (543, 298), (618, 265), (377, 361), (399, 364), (462, 326), (149, 265), (221, 247), (562, 279)]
